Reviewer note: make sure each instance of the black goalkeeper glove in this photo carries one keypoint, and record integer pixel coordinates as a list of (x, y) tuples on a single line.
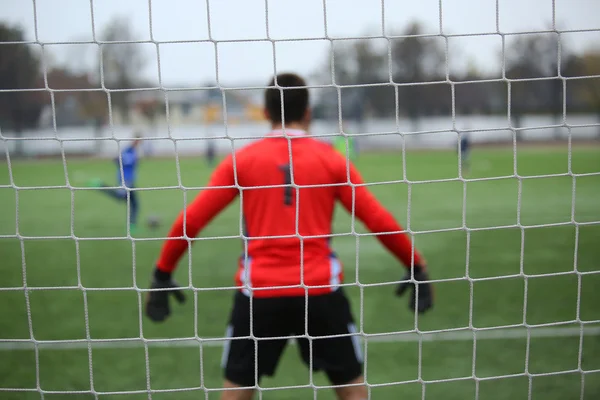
[(425, 299), (157, 304)]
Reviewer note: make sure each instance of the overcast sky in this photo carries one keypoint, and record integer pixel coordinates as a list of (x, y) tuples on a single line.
[(243, 62)]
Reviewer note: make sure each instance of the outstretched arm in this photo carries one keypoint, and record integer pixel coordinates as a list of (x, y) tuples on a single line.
[(209, 203), (360, 202), (220, 192)]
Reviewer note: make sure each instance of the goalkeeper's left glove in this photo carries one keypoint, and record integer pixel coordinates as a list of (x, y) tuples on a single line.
[(157, 304), (424, 301)]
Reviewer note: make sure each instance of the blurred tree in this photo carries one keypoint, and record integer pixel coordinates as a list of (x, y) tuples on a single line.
[(591, 67), (476, 92), (19, 69), (590, 87), (417, 59), (151, 109), (121, 63), (354, 63), (577, 92), (341, 64), (94, 106), (90, 104), (414, 59), (372, 67), (365, 64), (531, 57)]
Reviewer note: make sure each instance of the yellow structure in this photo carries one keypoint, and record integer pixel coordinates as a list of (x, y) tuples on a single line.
[(254, 112), (212, 113)]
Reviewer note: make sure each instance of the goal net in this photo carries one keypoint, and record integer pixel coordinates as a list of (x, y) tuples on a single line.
[(481, 138)]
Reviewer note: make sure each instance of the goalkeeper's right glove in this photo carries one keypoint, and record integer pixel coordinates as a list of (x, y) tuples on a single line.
[(157, 304), (424, 301)]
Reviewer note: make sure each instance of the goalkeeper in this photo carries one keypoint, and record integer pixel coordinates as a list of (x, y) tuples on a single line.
[(126, 162), (282, 273)]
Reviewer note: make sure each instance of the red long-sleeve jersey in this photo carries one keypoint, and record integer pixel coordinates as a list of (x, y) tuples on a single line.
[(288, 189)]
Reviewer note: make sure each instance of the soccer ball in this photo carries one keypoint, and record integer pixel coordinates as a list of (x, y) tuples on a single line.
[(153, 222)]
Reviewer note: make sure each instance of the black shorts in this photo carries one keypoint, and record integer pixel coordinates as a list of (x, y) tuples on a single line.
[(274, 320)]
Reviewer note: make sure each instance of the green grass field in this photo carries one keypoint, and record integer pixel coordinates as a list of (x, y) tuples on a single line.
[(560, 281)]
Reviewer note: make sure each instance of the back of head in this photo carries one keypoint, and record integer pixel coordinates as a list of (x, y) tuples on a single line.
[(295, 99)]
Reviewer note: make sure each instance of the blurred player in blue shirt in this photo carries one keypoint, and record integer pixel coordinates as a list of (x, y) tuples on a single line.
[(126, 164), (129, 159)]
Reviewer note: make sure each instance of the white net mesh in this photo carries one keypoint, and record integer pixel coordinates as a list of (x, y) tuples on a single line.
[(524, 204)]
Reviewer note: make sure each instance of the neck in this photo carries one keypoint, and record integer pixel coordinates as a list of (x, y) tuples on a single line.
[(291, 125)]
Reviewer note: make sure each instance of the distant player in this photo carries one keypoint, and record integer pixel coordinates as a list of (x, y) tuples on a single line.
[(210, 152), (464, 151), (275, 274), (127, 161), (345, 145)]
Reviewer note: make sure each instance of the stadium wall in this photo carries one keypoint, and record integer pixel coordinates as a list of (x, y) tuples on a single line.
[(373, 134)]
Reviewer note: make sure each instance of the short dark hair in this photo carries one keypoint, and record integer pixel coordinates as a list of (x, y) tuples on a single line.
[(295, 101)]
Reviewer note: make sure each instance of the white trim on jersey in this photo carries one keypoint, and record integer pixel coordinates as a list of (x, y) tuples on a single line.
[(287, 132), (335, 271), (245, 276)]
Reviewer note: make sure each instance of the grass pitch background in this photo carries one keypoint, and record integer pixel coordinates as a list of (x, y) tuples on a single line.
[(541, 298)]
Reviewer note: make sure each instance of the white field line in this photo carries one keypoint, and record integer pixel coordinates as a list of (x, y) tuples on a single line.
[(463, 335)]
